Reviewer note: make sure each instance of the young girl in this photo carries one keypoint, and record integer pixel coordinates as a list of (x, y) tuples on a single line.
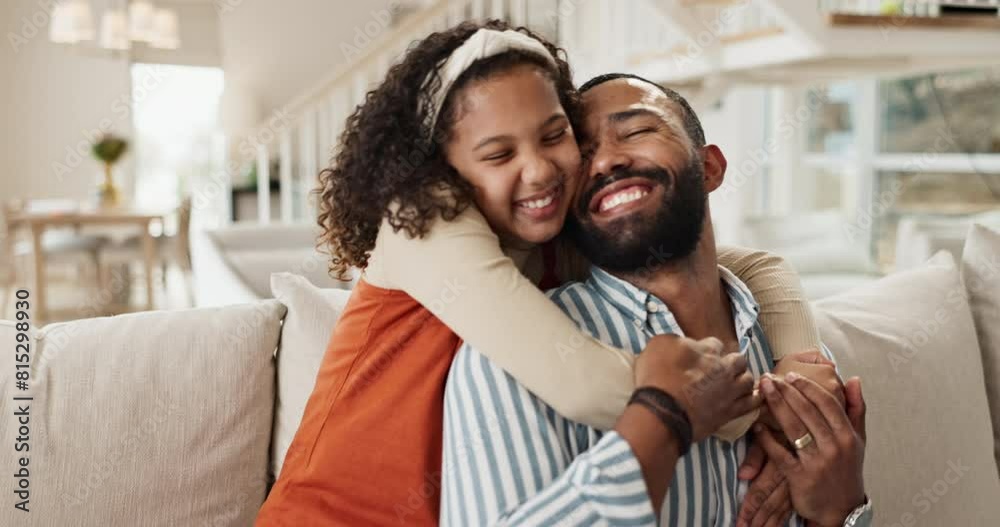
[(452, 242)]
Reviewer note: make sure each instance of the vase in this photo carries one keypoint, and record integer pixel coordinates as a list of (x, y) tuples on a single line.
[(107, 193)]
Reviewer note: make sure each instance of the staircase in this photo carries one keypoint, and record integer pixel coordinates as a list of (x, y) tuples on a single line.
[(701, 46), (305, 129)]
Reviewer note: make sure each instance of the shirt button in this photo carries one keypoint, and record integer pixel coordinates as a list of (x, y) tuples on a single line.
[(637, 322), (652, 307)]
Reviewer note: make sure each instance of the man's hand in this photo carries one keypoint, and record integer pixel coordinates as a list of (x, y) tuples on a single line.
[(767, 502), (825, 479)]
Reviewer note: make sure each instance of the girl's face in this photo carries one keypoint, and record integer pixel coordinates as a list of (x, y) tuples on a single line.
[(514, 143)]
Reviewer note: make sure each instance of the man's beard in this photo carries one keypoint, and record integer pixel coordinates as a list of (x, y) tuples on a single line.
[(640, 240)]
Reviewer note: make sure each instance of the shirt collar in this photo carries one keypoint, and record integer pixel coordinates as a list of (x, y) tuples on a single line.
[(641, 304)]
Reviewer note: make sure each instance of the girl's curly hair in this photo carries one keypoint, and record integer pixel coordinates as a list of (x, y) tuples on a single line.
[(384, 157)]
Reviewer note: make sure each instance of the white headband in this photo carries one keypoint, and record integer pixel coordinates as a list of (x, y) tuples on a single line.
[(482, 44)]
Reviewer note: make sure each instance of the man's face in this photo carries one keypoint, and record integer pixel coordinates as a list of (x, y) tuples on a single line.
[(643, 190)]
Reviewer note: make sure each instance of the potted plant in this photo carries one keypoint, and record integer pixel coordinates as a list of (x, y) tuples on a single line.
[(109, 150)]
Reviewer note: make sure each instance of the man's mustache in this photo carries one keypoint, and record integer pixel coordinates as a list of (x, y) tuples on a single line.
[(655, 175)]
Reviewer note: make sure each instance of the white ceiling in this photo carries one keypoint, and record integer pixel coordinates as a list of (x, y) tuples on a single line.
[(276, 49)]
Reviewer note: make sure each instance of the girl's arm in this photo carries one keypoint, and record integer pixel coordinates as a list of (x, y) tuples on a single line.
[(460, 274), (785, 314)]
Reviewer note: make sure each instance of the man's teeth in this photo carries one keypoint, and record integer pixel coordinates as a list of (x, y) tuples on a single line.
[(538, 203), (622, 198)]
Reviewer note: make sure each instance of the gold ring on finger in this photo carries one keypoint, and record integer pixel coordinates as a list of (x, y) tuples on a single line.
[(803, 441)]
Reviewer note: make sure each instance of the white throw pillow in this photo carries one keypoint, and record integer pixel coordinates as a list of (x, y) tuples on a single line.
[(911, 338), (154, 419), (981, 273), (312, 314)]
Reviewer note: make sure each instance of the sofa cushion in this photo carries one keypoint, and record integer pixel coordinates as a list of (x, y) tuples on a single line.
[(911, 338), (160, 418), (981, 273), (312, 314)]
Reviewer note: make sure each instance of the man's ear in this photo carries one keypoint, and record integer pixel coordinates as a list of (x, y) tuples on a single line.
[(715, 167)]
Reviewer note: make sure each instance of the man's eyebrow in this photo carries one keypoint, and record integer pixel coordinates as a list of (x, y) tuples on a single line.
[(620, 117)]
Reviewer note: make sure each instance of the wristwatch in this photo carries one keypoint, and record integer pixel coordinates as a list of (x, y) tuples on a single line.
[(862, 516)]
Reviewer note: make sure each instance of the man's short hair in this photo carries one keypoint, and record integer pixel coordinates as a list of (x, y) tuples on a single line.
[(692, 125)]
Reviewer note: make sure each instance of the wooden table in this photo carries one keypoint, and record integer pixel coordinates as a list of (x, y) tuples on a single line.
[(37, 221)]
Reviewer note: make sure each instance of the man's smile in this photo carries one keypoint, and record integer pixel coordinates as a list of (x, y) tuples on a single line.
[(624, 197)]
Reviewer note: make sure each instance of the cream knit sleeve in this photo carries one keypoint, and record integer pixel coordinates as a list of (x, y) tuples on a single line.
[(785, 314), (459, 272)]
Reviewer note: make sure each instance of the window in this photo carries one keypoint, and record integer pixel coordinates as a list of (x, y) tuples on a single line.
[(175, 111), (925, 146), (942, 112), (826, 186), (928, 195), (831, 125)]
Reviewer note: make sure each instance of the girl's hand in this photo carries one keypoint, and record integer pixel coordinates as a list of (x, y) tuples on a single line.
[(815, 367), (713, 388)]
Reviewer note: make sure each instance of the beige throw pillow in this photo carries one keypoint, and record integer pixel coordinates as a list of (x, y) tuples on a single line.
[(148, 419), (910, 336), (312, 314), (981, 273)]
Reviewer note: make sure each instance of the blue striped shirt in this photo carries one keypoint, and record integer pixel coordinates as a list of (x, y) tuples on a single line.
[(509, 459)]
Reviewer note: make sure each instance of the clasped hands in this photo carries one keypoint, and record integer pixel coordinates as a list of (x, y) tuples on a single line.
[(807, 450)]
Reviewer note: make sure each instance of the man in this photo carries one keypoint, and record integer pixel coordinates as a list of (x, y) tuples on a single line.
[(510, 459)]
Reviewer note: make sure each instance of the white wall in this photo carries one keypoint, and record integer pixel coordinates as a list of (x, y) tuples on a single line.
[(6, 79), (54, 99)]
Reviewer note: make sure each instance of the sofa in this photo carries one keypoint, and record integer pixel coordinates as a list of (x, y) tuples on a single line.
[(233, 264), (183, 417), (824, 247), (920, 236)]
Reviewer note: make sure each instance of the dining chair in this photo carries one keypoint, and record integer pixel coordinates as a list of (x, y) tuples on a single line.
[(61, 246), (172, 249), (8, 276)]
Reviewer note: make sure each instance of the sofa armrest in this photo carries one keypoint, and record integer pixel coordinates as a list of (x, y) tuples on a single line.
[(216, 283)]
